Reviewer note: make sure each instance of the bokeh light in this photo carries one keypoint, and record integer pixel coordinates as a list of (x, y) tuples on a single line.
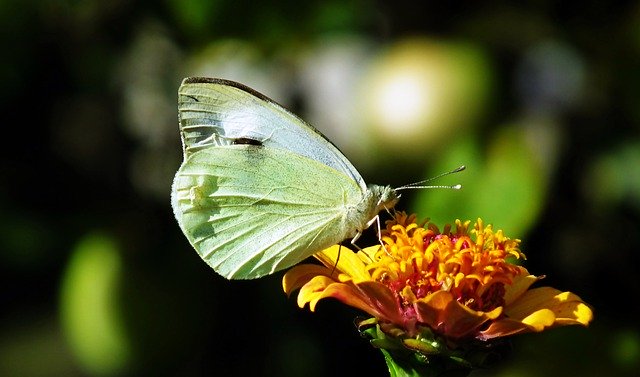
[(418, 92)]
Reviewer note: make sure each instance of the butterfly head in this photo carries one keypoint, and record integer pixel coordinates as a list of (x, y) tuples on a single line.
[(387, 197)]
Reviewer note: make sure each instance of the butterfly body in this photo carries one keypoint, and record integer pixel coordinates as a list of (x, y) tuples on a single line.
[(259, 190)]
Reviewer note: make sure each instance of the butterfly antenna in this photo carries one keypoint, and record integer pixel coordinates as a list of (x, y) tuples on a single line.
[(421, 184)]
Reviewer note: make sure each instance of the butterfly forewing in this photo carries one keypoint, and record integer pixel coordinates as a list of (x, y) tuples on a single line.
[(216, 112), (250, 210)]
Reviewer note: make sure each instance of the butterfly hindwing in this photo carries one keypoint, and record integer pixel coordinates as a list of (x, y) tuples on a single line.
[(251, 210)]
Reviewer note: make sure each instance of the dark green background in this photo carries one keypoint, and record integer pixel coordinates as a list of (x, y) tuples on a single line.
[(72, 167)]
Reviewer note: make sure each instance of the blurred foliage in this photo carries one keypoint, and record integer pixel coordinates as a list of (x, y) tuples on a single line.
[(539, 100), (89, 305), (503, 184)]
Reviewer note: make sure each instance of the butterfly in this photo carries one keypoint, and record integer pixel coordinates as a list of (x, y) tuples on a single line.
[(259, 189)]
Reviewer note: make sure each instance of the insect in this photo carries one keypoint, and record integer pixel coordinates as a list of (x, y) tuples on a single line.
[(259, 189)]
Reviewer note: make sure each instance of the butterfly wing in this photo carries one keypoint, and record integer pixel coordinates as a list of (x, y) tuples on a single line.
[(216, 112), (251, 210)]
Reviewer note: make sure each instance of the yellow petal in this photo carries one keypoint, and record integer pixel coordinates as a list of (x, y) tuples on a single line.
[(540, 319), (581, 314), (408, 295), (567, 307), (368, 254), (520, 284), (538, 309), (312, 289), (345, 260)]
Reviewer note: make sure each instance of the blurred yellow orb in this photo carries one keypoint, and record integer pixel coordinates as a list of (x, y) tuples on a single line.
[(419, 90)]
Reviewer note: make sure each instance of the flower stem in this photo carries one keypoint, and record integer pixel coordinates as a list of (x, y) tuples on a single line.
[(405, 367)]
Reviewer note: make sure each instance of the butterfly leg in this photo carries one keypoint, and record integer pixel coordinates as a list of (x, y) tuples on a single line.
[(337, 260), (355, 239), (377, 218)]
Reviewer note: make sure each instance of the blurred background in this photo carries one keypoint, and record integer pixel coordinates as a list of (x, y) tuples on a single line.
[(541, 101)]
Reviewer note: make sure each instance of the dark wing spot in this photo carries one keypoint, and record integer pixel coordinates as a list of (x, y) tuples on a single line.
[(246, 141)]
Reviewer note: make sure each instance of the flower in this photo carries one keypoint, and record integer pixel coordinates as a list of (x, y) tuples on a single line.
[(457, 284)]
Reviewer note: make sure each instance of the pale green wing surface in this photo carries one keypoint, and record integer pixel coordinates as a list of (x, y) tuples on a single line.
[(216, 112), (250, 211)]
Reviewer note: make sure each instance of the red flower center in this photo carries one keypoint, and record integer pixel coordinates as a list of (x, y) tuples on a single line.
[(419, 261)]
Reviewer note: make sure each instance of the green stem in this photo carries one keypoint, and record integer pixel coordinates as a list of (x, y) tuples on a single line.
[(404, 365)]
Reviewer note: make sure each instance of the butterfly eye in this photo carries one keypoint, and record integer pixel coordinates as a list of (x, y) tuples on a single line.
[(246, 141)]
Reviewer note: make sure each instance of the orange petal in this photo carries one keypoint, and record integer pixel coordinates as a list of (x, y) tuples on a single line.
[(300, 275), (503, 327), (449, 317), (371, 298), (429, 308), (382, 300), (461, 321), (351, 296)]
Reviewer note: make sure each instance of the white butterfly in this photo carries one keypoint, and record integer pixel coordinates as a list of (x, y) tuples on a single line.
[(259, 189)]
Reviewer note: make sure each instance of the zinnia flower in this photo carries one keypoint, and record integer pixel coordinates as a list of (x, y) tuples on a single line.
[(453, 287)]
